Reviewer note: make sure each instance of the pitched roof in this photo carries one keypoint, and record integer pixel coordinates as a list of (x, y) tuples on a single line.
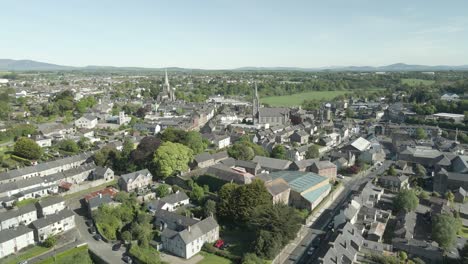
[(9, 234), (271, 163), (198, 230), (299, 181), (202, 157), (361, 144), (17, 212), (133, 175), (50, 219), (50, 201), (277, 186), (174, 218)]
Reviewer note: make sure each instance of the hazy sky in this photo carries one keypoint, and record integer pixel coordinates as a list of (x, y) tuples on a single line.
[(226, 34)]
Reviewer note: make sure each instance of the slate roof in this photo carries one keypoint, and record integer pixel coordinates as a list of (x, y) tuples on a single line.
[(324, 164), (227, 173), (134, 175), (96, 201), (344, 247), (170, 218), (43, 166), (198, 230), (277, 186), (50, 201), (20, 184), (302, 164), (9, 234), (50, 219), (202, 157), (174, 198), (271, 163), (273, 111), (17, 212)]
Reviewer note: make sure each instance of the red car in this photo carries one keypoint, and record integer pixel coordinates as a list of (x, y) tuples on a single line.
[(219, 243)]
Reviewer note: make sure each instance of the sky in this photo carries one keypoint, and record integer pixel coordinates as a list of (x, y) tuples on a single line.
[(222, 34)]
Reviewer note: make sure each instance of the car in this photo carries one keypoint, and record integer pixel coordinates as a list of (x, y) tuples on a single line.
[(127, 259), (23, 262), (340, 176), (219, 243), (92, 230), (311, 251), (331, 225), (89, 223), (226, 245), (316, 242), (117, 246), (98, 237)]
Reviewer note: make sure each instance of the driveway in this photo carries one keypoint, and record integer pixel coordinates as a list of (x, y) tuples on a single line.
[(100, 248), (176, 260)]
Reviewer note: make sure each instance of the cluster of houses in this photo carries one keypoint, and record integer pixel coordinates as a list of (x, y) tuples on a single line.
[(33, 223)]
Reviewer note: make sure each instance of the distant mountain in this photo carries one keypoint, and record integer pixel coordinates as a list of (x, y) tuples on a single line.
[(30, 65)]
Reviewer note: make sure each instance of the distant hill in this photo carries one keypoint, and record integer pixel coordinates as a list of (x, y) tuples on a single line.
[(30, 65)]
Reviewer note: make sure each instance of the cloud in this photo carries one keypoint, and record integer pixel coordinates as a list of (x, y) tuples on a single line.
[(440, 30)]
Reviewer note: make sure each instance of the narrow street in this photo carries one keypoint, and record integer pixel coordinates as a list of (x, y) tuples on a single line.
[(319, 225)]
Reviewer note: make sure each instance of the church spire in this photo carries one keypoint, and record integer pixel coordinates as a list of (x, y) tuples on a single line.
[(166, 80)]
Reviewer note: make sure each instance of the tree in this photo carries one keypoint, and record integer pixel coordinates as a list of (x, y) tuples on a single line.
[(312, 152), (450, 196), (241, 151), (68, 145), (402, 255), (420, 133), (350, 113), (162, 190), (251, 258), (50, 242), (197, 192), (444, 230), (406, 200), (126, 236), (27, 148), (391, 171), (267, 244), (171, 158), (420, 170), (278, 152), (226, 200), (209, 208), (84, 143)]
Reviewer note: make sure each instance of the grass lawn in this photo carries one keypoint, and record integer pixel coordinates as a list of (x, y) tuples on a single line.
[(26, 202), (77, 255), (297, 99), (25, 254), (90, 190), (463, 232), (240, 241), (213, 259), (413, 82)]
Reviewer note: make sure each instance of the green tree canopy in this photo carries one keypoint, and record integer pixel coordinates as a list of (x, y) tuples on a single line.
[(68, 145), (197, 193), (209, 208), (312, 152), (444, 230), (162, 190), (241, 151), (27, 148), (171, 158), (420, 133), (278, 152), (406, 200)]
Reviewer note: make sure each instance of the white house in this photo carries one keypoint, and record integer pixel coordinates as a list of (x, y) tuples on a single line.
[(43, 142), (86, 121), (169, 203), (450, 97), (53, 224), (139, 179), (190, 240), (20, 216), (50, 206), (13, 240)]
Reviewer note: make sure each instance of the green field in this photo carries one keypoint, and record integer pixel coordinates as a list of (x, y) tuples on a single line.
[(77, 255), (414, 82), (25, 254), (297, 99), (213, 259)]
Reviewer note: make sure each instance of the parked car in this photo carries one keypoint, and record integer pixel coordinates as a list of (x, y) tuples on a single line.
[(98, 237), (316, 242), (92, 230), (311, 251), (340, 176), (127, 259), (226, 245), (219, 243), (89, 223), (117, 246)]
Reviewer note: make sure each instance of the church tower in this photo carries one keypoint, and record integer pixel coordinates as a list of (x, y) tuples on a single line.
[(255, 106), (167, 90)]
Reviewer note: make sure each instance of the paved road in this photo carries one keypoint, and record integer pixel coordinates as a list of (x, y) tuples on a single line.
[(101, 248), (319, 226)]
